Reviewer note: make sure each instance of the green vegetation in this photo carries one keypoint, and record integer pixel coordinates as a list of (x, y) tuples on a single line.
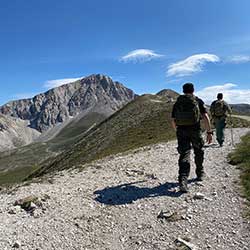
[(238, 122), (15, 175), (17, 164), (241, 157), (74, 131), (144, 121)]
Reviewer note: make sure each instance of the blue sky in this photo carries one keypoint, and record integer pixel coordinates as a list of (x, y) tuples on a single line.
[(147, 45)]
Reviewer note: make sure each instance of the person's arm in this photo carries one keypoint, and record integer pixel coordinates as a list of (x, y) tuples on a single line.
[(173, 123), (206, 119)]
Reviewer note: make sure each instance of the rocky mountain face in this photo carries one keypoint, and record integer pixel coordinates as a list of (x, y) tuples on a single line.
[(144, 121), (15, 132), (96, 92)]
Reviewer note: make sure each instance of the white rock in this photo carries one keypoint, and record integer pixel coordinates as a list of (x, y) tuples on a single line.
[(187, 244), (32, 206), (199, 196), (17, 244), (15, 210)]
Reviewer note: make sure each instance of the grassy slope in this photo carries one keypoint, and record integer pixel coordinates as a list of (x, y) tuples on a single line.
[(73, 131), (144, 121), (24, 160), (241, 156), (238, 122)]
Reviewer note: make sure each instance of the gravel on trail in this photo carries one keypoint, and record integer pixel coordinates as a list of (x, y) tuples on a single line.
[(131, 201)]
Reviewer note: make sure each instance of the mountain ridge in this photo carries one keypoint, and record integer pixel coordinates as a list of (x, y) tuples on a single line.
[(48, 113), (95, 132), (56, 105)]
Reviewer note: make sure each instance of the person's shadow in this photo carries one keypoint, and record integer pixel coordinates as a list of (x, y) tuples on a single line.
[(129, 192)]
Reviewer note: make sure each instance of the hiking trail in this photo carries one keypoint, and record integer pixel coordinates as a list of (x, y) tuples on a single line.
[(129, 202)]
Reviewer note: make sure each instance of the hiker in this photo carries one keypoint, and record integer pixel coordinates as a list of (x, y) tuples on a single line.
[(186, 115), (219, 110)]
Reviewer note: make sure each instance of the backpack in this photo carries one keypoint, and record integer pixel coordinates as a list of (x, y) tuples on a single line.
[(187, 111), (218, 108)]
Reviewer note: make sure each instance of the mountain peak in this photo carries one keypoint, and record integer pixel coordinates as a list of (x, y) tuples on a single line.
[(100, 77), (169, 93), (95, 92)]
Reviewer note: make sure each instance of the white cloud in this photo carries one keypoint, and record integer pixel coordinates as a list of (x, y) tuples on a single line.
[(239, 59), (191, 65), (230, 92), (140, 55), (48, 85), (58, 82)]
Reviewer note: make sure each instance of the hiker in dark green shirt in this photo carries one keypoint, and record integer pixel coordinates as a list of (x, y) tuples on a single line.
[(186, 115), (219, 110)]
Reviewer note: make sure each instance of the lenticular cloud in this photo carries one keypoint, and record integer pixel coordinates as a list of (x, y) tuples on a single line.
[(191, 65), (140, 55), (58, 82), (239, 59)]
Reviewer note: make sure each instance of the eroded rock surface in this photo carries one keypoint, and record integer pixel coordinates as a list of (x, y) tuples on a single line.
[(58, 104)]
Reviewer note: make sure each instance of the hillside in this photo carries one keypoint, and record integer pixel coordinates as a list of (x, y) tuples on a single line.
[(17, 163), (144, 121), (15, 132), (49, 112), (131, 201), (169, 94), (241, 156), (141, 122), (240, 109)]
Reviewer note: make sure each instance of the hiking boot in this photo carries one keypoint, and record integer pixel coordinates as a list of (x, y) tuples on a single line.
[(183, 185), (200, 177)]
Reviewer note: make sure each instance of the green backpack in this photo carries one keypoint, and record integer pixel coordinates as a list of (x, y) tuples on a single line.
[(219, 108), (187, 112)]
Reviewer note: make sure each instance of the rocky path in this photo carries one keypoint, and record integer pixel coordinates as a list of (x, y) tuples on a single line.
[(131, 202)]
